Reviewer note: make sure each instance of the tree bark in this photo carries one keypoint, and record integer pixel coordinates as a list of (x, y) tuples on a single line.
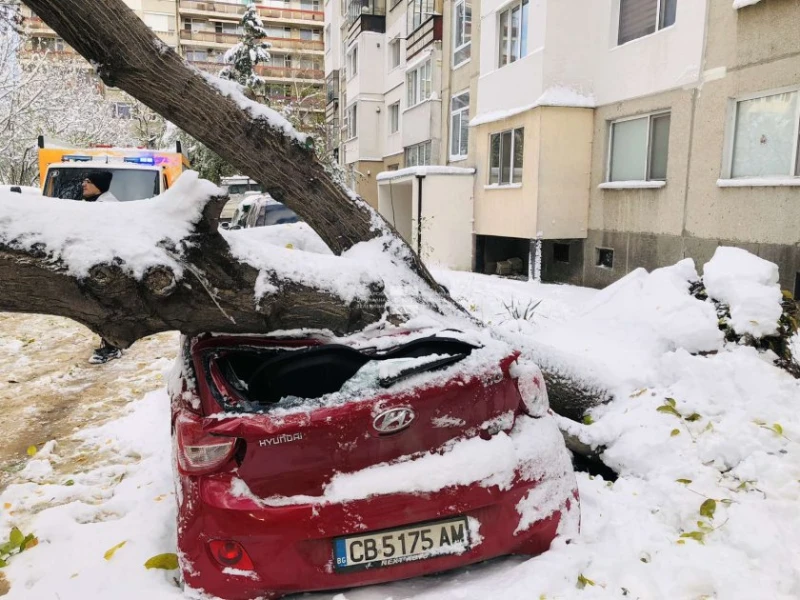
[(128, 55), (216, 293)]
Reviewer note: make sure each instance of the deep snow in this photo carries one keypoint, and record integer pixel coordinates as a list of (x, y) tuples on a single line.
[(682, 429)]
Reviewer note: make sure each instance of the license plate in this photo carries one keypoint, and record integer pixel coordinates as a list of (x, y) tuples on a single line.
[(401, 545)]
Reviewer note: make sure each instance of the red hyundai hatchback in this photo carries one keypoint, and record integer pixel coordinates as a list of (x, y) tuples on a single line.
[(306, 465)]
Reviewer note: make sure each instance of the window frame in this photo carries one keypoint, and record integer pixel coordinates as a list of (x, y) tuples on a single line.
[(648, 145), (461, 114), (394, 117), (512, 183), (415, 73), (465, 45), (508, 9), (660, 12), (395, 43), (426, 148), (351, 121), (730, 132), (352, 61)]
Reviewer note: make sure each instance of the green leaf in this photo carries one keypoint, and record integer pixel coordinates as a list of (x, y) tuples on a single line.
[(167, 562), (778, 429), (16, 538), (684, 481), (742, 486), (111, 551), (726, 501), (31, 450), (671, 402), (693, 417), (31, 541), (708, 507), (3, 563), (697, 536), (584, 581), (674, 432), (666, 408), (69, 482), (588, 420)]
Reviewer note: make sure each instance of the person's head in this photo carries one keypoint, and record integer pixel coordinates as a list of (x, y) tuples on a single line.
[(96, 183)]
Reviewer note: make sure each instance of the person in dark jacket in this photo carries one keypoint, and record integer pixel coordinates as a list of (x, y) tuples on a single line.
[(96, 186), (95, 189)]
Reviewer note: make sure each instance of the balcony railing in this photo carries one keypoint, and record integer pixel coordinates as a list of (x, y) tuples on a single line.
[(215, 7), (290, 72), (357, 8), (296, 44), (210, 37), (297, 14), (35, 24)]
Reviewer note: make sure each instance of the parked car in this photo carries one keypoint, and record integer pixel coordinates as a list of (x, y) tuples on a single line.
[(307, 465), (259, 211), (237, 187)]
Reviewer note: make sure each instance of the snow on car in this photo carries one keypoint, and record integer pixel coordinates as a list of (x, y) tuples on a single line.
[(312, 464)]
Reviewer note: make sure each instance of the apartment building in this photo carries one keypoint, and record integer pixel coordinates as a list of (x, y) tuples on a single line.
[(203, 31), (618, 133)]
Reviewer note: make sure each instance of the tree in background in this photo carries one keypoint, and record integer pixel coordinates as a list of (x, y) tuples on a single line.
[(251, 51)]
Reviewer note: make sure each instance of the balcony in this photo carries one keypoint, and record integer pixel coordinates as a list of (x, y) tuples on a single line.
[(274, 72), (371, 14), (296, 44), (429, 31), (36, 27), (225, 9), (274, 13), (210, 37)]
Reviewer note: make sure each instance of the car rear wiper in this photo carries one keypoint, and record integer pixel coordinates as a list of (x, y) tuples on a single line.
[(386, 382)]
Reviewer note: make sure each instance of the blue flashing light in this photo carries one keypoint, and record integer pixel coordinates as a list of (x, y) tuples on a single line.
[(141, 160), (76, 158)]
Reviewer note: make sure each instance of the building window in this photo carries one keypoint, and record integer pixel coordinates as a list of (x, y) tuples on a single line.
[(122, 110), (765, 137), (561, 253), (352, 62), (279, 32), (351, 121), (638, 18), (462, 31), (506, 150), (418, 12), (513, 33), (604, 257), (162, 22), (310, 34), (418, 84), (394, 117), (418, 155), (459, 126), (309, 5), (394, 53), (639, 149)]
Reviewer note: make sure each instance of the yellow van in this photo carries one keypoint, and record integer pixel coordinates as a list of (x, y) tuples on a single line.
[(137, 172)]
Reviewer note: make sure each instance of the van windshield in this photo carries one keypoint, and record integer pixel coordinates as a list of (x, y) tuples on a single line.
[(126, 184)]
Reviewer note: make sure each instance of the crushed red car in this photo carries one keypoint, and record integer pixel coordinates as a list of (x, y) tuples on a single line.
[(303, 464)]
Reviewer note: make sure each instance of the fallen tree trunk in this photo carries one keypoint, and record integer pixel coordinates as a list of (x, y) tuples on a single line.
[(216, 292)]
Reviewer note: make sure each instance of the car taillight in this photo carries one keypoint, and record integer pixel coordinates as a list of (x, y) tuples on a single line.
[(531, 386), (231, 554), (199, 452)]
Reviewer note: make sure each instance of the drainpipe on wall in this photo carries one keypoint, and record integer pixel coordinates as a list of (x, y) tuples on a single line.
[(419, 215)]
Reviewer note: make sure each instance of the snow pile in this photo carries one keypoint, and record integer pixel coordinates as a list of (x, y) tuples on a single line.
[(749, 286), (552, 96), (84, 234), (737, 4), (297, 236), (423, 171)]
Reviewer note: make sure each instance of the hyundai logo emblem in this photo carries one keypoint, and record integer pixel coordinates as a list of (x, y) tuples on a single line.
[(393, 420)]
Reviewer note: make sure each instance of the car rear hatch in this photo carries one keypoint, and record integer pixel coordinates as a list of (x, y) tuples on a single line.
[(304, 414)]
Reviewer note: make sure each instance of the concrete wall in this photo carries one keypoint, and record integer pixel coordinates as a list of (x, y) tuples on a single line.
[(395, 204)]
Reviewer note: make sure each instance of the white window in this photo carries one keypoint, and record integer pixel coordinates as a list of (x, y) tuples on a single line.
[(462, 31), (352, 62), (394, 53), (279, 32), (513, 33), (122, 110), (310, 34), (638, 18), (459, 126), (765, 136), (418, 84), (418, 155), (351, 121), (419, 11), (197, 55), (639, 149), (505, 160), (394, 117), (162, 22)]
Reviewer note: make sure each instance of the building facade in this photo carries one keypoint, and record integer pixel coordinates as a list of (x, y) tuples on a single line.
[(619, 133)]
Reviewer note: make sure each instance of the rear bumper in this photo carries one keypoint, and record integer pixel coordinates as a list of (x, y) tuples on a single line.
[(292, 546)]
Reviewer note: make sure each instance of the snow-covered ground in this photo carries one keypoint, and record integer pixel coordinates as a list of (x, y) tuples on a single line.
[(706, 504)]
